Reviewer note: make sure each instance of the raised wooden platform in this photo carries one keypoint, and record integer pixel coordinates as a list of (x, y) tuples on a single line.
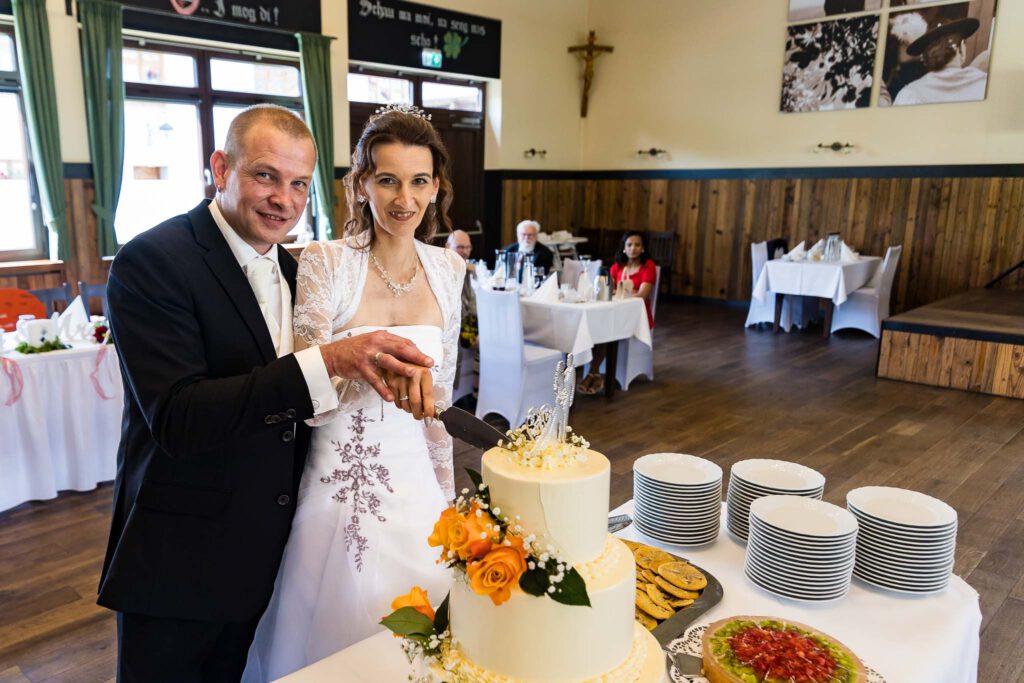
[(972, 341)]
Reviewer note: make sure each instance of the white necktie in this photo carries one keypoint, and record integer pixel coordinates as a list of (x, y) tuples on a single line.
[(262, 274)]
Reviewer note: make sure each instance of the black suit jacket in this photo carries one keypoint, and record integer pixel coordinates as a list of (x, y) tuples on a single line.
[(212, 439), (543, 257)]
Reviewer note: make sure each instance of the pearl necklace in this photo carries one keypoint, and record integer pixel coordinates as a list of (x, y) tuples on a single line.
[(398, 289)]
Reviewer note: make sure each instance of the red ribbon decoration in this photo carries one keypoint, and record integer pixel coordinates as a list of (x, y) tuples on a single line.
[(13, 373), (96, 385)]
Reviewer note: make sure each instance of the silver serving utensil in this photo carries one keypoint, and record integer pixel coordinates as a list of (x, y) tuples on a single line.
[(685, 665), (618, 523)]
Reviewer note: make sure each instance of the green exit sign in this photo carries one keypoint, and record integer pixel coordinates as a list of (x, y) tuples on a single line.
[(431, 58)]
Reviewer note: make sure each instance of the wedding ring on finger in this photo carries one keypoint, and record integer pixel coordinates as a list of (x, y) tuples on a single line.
[(376, 358), (404, 398)]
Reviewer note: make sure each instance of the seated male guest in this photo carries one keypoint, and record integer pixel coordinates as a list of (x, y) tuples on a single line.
[(526, 233), (460, 243)]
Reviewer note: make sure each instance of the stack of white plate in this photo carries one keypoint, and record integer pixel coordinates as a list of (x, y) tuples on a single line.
[(677, 498), (907, 539), (801, 548), (753, 479)]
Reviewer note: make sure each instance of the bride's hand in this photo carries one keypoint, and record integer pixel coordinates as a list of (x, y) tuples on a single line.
[(414, 393)]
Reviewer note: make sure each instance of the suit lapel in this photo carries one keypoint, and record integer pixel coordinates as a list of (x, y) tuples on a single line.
[(227, 271), (289, 268)]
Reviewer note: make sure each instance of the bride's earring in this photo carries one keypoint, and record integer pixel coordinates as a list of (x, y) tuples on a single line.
[(433, 200)]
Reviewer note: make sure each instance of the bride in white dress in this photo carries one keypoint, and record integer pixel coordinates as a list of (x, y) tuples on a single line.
[(376, 478)]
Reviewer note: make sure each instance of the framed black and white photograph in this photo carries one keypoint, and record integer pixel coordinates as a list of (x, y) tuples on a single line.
[(804, 10), (829, 64), (937, 54)]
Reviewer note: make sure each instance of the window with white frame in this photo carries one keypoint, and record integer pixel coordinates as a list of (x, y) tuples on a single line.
[(179, 103), (23, 236)]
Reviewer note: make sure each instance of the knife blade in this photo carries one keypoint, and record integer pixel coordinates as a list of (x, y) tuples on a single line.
[(469, 428)]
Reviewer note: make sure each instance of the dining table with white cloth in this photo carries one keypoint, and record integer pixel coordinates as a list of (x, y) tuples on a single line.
[(577, 327), (831, 281), (907, 639), (60, 420)]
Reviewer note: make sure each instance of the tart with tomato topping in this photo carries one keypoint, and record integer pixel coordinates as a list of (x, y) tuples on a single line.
[(768, 650)]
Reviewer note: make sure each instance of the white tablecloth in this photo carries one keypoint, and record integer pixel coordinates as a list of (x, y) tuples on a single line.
[(60, 421), (908, 639), (575, 328), (815, 278)]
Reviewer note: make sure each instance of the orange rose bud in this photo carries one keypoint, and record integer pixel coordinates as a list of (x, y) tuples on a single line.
[(498, 571), (442, 534), (417, 599)]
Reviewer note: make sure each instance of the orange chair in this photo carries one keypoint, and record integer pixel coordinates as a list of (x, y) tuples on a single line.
[(15, 302)]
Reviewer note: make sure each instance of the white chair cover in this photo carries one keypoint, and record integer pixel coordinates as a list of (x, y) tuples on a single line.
[(866, 308), (571, 269), (764, 311), (636, 358), (514, 376)]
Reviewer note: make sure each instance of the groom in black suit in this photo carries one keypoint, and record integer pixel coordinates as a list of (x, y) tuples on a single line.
[(213, 440)]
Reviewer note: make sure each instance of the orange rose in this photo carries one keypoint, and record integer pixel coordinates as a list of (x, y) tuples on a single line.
[(417, 599), (470, 536), (498, 571)]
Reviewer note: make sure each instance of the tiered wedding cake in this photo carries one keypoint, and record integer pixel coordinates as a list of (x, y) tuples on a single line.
[(542, 593), (534, 638)]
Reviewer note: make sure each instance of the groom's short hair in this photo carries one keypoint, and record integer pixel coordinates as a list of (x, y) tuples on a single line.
[(277, 116)]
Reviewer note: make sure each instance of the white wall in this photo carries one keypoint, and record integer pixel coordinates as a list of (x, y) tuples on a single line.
[(702, 80), (699, 78)]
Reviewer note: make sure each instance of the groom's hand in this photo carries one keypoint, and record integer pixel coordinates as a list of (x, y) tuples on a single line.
[(366, 356)]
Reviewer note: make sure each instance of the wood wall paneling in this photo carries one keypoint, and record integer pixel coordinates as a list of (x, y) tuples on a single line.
[(957, 232)]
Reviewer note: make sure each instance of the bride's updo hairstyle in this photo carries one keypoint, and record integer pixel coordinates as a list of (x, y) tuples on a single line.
[(408, 126)]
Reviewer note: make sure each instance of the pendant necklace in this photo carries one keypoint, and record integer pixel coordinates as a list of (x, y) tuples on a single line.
[(397, 288)]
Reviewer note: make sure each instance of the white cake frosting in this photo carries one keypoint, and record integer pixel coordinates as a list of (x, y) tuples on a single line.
[(535, 639), (565, 507)]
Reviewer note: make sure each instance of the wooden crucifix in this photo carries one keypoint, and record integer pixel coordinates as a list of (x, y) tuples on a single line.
[(588, 53)]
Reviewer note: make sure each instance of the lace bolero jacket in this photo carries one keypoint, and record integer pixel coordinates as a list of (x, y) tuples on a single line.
[(329, 286)]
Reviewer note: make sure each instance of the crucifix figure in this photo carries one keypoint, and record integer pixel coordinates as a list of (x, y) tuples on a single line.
[(588, 53)]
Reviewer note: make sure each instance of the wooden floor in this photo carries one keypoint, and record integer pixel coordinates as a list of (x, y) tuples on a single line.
[(721, 392)]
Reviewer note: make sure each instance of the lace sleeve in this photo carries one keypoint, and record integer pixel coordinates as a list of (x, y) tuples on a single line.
[(439, 442), (316, 303)]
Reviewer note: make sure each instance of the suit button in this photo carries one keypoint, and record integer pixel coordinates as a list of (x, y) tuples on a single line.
[(290, 413), (287, 436), (283, 500), (269, 419)]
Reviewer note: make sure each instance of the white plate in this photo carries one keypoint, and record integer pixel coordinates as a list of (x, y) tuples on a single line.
[(690, 509), (800, 577), (752, 491), (704, 501), (922, 586), (902, 506), (805, 516), (799, 557), (696, 488), (678, 468), (675, 537), (779, 475), (903, 591), (809, 540), (869, 545), (799, 596)]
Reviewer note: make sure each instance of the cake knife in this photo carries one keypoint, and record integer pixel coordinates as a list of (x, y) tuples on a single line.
[(469, 428)]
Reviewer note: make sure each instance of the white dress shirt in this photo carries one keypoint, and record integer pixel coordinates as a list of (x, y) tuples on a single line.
[(279, 308)]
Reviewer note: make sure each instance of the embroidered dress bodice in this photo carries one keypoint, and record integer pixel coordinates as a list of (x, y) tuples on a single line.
[(329, 288)]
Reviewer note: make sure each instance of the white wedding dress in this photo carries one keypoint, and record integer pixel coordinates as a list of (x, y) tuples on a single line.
[(375, 479)]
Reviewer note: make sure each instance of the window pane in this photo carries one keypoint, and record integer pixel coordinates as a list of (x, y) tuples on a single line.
[(235, 75), (379, 89), (163, 165), (161, 68), (19, 230), (447, 96), (222, 117), (6, 52)]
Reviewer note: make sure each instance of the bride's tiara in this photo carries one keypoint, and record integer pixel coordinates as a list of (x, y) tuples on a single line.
[(402, 108)]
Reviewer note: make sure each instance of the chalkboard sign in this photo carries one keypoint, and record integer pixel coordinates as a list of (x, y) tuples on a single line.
[(423, 36), (283, 15)]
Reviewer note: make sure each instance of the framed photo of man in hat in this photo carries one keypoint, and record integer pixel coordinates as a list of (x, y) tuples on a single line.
[(937, 53)]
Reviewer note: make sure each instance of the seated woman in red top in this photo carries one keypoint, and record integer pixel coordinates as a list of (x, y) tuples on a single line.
[(633, 274)]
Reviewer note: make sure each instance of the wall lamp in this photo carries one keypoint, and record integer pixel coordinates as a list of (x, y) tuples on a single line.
[(838, 147), (531, 153), (653, 153)]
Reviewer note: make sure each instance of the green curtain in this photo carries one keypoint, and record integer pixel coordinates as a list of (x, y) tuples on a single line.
[(104, 108), (32, 35), (316, 98)]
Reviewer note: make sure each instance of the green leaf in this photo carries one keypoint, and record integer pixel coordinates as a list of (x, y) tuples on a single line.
[(407, 622), (534, 582), (483, 494), (572, 590), (441, 616)]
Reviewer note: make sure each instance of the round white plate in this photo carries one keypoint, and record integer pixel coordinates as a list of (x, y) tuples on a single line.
[(678, 468), (901, 584), (793, 594), (902, 506), (903, 591), (779, 475), (696, 488), (757, 492), (846, 539), (804, 516)]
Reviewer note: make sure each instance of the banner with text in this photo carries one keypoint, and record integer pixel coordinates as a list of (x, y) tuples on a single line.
[(283, 15), (413, 35)]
